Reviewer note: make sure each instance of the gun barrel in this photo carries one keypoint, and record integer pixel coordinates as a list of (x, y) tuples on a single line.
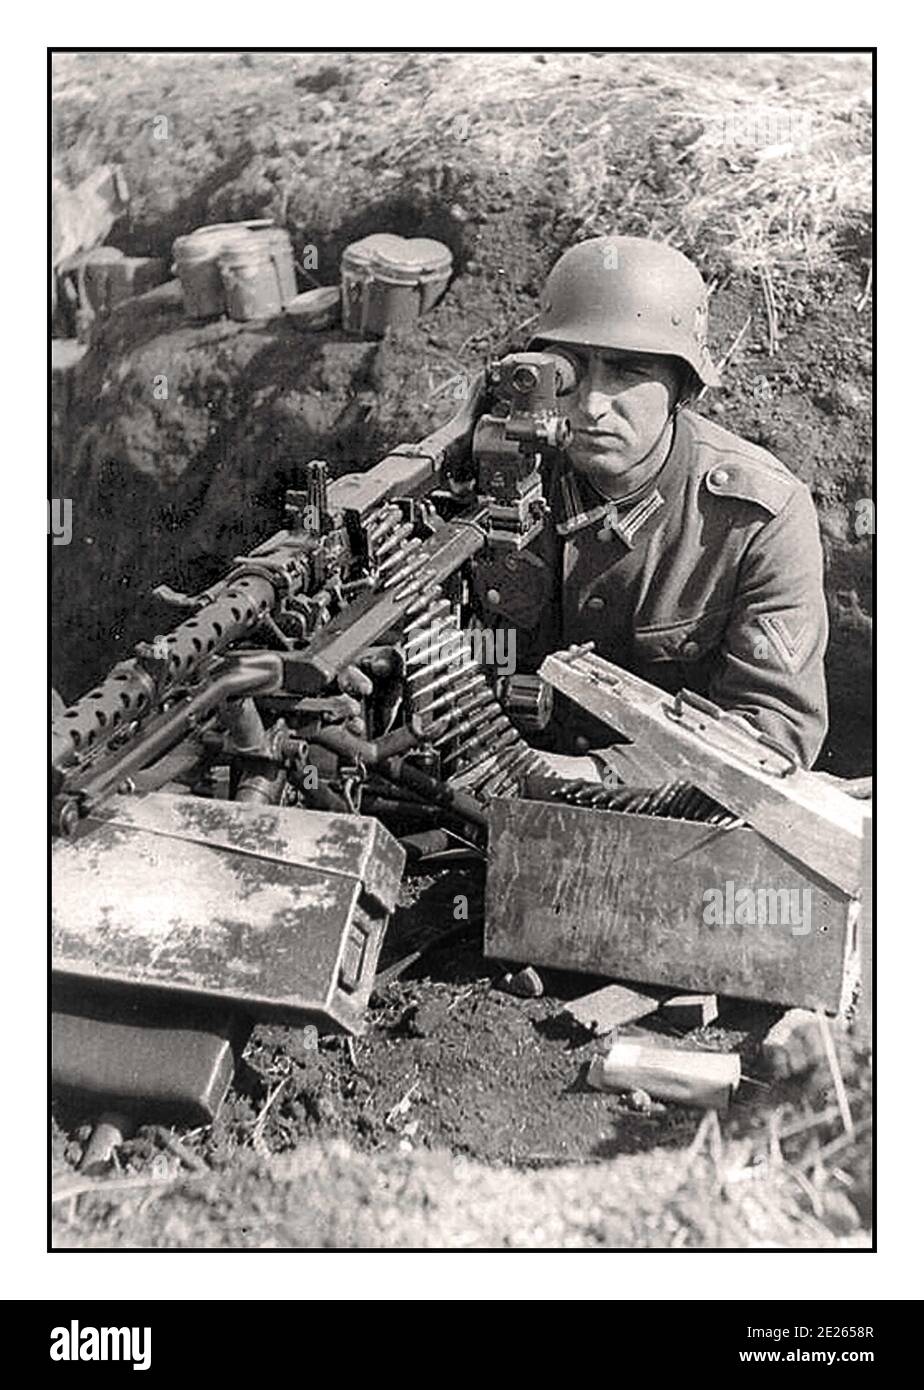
[(132, 687)]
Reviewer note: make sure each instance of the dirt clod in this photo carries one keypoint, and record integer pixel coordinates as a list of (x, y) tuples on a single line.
[(525, 983)]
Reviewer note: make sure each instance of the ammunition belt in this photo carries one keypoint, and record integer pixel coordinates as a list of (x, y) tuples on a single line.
[(673, 800), (481, 752)]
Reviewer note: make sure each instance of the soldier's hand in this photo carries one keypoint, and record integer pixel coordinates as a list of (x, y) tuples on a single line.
[(860, 788)]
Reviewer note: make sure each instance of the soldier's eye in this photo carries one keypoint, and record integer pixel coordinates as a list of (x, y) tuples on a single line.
[(622, 369), (568, 382)]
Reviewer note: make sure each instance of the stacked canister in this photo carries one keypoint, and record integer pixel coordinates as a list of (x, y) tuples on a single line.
[(243, 269)]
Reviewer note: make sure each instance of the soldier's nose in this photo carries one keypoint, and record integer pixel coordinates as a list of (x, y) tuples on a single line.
[(597, 404)]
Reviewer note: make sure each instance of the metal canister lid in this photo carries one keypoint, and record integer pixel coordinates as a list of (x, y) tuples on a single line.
[(432, 257), (406, 259), (319, 308), (377, 248), (245, 253), (268, 232), (205, 242), (414, 261), (253, 224)]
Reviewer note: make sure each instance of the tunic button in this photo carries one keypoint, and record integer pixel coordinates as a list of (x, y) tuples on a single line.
[(493, 597), (596, 602), (690, 648), (720, 476), (581, 743)]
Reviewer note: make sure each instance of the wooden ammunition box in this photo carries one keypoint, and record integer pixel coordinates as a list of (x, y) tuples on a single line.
[(275, 910), (113, 282), (665, 902)]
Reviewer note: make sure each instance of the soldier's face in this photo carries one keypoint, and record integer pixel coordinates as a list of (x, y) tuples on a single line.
[(618, 409)]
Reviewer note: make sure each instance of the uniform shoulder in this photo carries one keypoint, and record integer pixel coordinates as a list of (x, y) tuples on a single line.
[(733, 467)]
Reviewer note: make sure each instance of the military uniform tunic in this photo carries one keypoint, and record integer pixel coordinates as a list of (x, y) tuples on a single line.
[(709, 579)]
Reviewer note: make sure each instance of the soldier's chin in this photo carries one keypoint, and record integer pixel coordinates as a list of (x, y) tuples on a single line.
[(596, 463)]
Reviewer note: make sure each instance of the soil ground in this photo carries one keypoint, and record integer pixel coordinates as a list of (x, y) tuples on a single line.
[(452, 1067), (508, 172)]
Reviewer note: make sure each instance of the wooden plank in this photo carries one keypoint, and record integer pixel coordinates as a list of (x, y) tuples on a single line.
[(611, 1007), (802, 814), (606, 893)]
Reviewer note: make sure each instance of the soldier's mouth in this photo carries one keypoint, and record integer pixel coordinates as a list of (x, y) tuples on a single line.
[(599, 435)]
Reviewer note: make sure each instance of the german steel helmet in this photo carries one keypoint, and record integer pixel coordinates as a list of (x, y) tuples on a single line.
[(631, 294)]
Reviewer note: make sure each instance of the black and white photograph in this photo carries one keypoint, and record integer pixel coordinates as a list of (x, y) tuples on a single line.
[(461, 533)]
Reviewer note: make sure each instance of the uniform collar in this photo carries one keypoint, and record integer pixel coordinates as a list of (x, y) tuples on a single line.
[(578, 505)]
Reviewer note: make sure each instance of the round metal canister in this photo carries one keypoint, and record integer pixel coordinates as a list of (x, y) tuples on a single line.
[(359, 264), (276, 240), (388, 281), (196, 264), (435, 267), (251, 280)]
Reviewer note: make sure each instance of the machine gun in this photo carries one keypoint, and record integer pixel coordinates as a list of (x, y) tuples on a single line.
[(342, 634), (329, 677)]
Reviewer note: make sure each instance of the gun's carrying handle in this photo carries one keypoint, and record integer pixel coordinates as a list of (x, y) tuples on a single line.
[(729, 720)]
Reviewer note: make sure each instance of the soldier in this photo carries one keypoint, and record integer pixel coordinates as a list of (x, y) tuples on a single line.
[(688, 555)]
